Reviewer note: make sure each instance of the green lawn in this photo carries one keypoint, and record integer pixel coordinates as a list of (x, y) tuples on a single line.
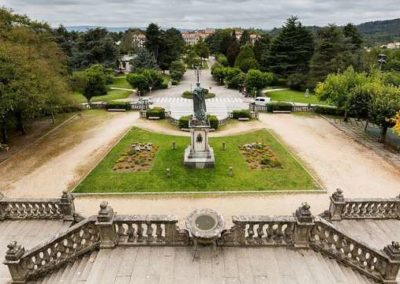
[(291, 177), (294, 96), (120, 82)]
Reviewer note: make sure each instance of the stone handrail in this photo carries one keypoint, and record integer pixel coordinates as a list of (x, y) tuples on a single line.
[(149, 230), (380, 265), (23, 208), (357, 208), (77, 240), (260, 230)]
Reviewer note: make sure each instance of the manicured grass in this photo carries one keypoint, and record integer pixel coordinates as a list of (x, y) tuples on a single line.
[(120, 82), (294, 96), (111, 96), (103, 179)]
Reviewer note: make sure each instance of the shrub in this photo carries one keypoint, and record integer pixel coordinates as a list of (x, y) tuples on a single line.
[(214, 122), (329, 110), (156, 112), (184, 121), (174, 82), (297, 81), (279, 106), (243, 113), (118, 105), (221, 59), (187, 94)]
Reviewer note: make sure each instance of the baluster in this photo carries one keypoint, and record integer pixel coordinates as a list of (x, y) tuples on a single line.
[(260, 231), (270, 232), (139, 232), (250, 232), (121, 229), (279, 234), (131, 233), (159, 232), (149, 232)]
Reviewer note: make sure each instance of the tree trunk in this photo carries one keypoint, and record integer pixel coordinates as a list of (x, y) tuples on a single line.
[(52, 117), (20, 123), (4, 134), (346, 116), (366, 125), (382, 138)]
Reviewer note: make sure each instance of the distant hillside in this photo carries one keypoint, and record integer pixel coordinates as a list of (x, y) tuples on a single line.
[(86, 28), (380, 32)]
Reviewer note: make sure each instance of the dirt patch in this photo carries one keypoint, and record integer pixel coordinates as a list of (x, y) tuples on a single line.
[(138, 158), (259, 156)]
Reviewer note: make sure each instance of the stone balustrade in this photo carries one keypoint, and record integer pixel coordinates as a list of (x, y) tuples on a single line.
[(382, 266), (150, 230), (377, 208), (77, 240), (23, 208), (107, 230)]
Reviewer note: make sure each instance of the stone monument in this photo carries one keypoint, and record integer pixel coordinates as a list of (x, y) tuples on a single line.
[(199, 154)]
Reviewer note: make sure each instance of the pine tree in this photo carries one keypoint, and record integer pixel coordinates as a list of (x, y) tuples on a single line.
[(143, 60), (245, 38), (246, 59), (261, 50), (291, 50), (233, 49)]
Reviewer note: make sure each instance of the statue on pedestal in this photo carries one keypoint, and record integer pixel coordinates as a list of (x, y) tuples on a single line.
[(199, 104)]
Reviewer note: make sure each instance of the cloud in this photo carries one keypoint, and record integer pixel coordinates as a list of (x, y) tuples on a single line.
[(203, 13)]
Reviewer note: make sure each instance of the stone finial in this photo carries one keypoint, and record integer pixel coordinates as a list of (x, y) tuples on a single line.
[(303, 213), (393, 251), (67, 205), (106, 213), (338, 195), (14, 252)]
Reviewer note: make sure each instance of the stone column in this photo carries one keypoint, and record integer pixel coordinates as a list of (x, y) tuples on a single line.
[(13, 258), (392, 269), (105, 223), (303, 227), (67, 206), (337, 205)]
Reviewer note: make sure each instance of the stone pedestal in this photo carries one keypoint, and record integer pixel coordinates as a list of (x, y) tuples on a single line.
[(199, 154)]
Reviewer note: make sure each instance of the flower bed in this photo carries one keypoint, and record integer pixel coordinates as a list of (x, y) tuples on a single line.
[(259, 156), (138, 158)]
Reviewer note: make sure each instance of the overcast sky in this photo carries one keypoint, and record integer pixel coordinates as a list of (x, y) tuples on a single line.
[(203, 13)]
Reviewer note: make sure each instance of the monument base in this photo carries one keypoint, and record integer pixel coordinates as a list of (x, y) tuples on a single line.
[(199, 154), (200, 160)]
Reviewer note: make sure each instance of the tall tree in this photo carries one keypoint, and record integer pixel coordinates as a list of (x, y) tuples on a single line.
[(332, 54), (350, 32), (233, 49), (246, 59), (291, 49), (245, 38), (143, 60), (90, 82), (261, 50), (171, 48), (154, 39)]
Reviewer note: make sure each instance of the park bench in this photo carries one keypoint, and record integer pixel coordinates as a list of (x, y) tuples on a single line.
[(154, 117), (281, 111), (116, 110), (243, 119)]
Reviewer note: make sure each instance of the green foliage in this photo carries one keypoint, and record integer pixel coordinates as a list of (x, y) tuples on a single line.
[(171, 48), (146, 79), (177, 70), (246, 59), (118, 105), (261, 51), (233, 50), (156, 112), (221, 59), (90, 82), (258, 80), (291, 50), (297, 81), (214, 122), (202, 49), (243, 113), (245, 38), (184, 122), (143, 60), (329, 110), (189, 95), (219, 41), (279, 106)]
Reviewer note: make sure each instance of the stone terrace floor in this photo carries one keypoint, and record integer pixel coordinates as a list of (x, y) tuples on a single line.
[(175, 265)]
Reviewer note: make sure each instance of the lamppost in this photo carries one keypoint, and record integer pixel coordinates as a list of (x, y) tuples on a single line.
[(381, 60)]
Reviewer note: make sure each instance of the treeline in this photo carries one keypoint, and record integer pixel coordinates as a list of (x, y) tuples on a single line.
[(33, 73), (295, 56)]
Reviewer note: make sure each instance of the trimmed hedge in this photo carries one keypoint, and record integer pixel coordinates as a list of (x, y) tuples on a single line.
[(214, 122), (329, 110), (243, 113), (156, 112), (189, 95), (279, 106), (184, 121), (117, 105)]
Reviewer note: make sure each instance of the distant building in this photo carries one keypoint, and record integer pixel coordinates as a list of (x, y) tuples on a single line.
[(192, 37), (391, 45), (138, 40), (125, 63)]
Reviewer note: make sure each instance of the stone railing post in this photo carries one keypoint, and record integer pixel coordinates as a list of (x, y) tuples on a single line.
[(398, 206), (67, 206), (392, 269), (105, 223), (337, 205), (303, 227), (13, 258)]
